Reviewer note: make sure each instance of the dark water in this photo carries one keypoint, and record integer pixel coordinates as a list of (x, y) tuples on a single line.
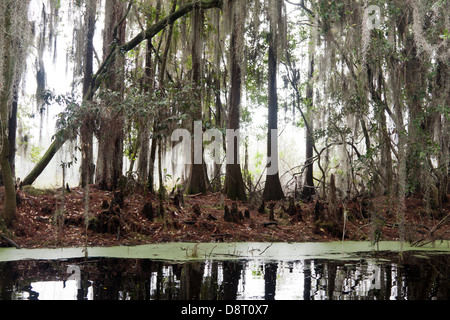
[(416, 277)]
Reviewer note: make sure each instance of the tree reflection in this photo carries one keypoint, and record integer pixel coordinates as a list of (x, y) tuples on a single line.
[(191, 281), (231, 276), (270, 280), (141, 279)]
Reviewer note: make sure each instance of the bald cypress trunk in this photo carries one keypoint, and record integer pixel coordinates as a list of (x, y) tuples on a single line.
[(9, 206), (110, 134), (150, 74), (234, 184), (197, 179), (308, 188), (272, 189), (87, 127)]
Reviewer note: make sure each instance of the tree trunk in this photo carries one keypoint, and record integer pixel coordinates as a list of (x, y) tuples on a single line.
[(395, 77), (110, 152), (110, 135), (151, 165), (162, 72), (386, 158), (12, 129), (197, 179), (444, 136), (272, 188), (162, 189), (217, 182), (87, 127), (234, 184), (146, 165), (385, 167), (415, 143), (144, 137), (9, 206), (308, 187)]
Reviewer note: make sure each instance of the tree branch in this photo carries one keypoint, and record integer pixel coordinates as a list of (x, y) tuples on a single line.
[(302, 5), (149, 33)]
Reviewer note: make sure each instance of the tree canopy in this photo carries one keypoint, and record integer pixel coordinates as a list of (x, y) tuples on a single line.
[(367, 84)]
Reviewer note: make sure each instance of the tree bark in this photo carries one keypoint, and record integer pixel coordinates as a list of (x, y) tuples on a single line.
[(151, 164), (146, 168), (197, 179), (414, 85), (9, 206), (272, 188), (144, 137), (308, 187), (87, 127), (146, 165), (162, 189), (234, 184), (444, 136), (218, 119), (110, 135), (12, 129), (110, 152)]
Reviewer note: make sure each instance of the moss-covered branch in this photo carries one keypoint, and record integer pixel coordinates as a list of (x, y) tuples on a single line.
[(60, 138)]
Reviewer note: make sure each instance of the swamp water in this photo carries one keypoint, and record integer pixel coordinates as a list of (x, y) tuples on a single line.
[(237, 271)]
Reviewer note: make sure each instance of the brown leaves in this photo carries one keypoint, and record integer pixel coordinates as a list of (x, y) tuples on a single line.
[(198, 218)]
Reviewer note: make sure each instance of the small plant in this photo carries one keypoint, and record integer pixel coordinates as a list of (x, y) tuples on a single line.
[(194, 252)]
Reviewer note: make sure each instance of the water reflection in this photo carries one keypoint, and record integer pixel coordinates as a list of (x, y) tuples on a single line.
[(140, 279)]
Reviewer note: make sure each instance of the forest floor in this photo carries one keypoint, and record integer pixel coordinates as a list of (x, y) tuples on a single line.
[(201, 219)]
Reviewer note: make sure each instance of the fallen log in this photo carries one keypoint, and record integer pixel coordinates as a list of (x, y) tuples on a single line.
[(60, 138), (8, 240)]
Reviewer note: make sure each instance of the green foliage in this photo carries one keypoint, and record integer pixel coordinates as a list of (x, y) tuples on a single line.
[(35, 153), (259, 161), (130, 143), (445, 35)]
